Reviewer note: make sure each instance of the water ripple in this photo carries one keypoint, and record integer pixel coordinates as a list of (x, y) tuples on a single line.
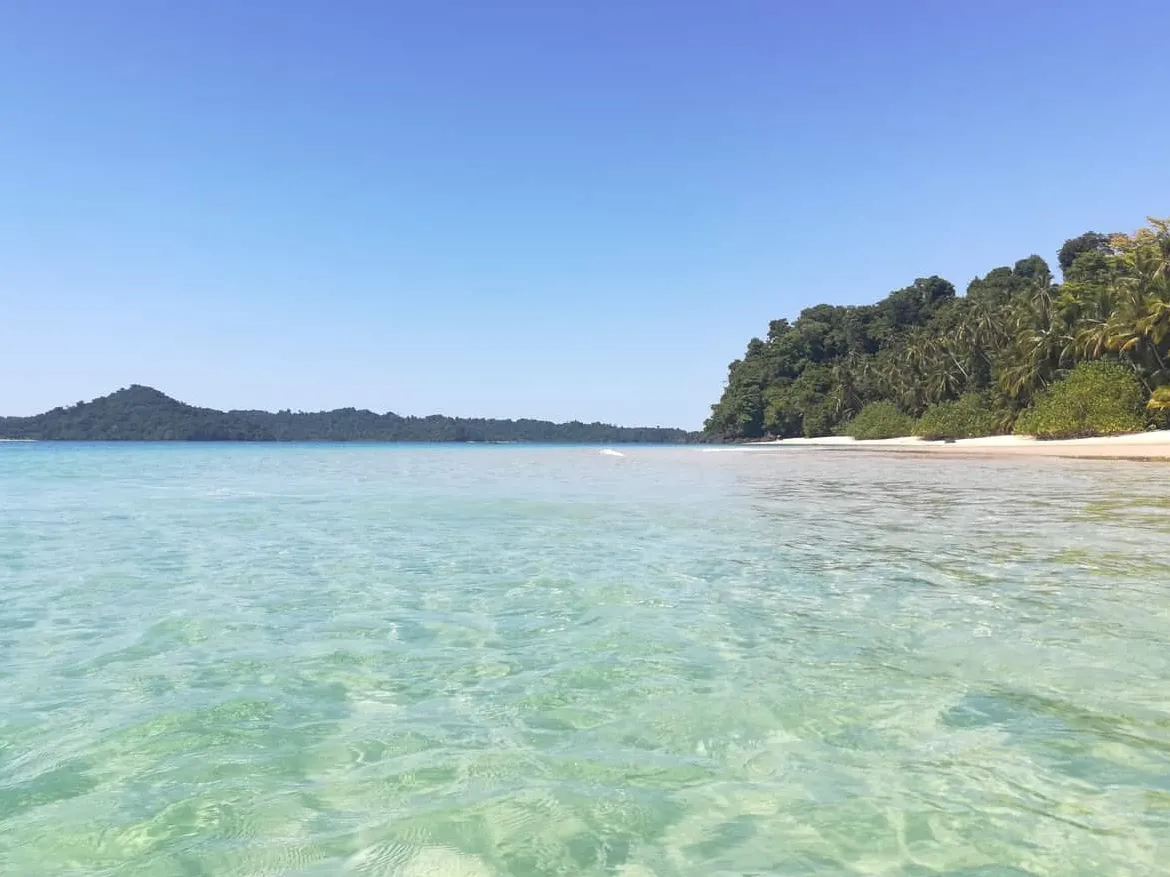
[(245, 661)]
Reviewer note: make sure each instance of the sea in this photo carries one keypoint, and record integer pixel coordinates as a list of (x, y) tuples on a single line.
[(232, 660)]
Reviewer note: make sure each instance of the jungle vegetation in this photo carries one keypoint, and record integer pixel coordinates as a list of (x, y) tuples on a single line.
[(139, 413), (1019, 351)]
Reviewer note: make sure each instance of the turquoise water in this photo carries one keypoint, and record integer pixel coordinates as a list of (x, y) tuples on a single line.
[(257, 660)]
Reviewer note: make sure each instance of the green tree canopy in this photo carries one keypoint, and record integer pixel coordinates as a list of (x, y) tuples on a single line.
[(1014, 333), (140, 413)]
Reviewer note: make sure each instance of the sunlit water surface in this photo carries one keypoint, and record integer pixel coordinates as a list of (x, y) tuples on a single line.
[(255, 660)]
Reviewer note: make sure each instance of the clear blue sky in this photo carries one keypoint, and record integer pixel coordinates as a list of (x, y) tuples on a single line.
[(549, 209)]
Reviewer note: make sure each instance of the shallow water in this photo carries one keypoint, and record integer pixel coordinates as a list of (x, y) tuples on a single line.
[(386, 660)]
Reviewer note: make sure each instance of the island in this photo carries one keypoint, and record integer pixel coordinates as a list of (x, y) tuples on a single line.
[(140, 413)]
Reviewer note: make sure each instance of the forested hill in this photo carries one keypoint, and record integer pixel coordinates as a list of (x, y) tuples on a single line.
[(984, 358), (140, 413)]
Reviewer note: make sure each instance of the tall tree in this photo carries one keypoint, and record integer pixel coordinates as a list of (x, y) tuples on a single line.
[(1014, 333)]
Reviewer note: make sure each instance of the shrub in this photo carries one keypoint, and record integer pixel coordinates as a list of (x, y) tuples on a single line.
[(879, 420), (1096, 398), (1158, 409), (972, 416)]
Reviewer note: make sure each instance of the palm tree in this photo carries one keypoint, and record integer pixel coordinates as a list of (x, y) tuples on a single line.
[(1033, 355), (1139, 329), (847, 374)]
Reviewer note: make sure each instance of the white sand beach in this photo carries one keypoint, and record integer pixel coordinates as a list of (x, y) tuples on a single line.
[(1150, 446)]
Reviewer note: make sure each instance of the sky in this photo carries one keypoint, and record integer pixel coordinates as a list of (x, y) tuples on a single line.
[(564, 210)]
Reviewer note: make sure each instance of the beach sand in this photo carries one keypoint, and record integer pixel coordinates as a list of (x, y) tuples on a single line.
[(1150, 446)]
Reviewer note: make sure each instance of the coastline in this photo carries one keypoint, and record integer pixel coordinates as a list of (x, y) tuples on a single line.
[(1153, 446)]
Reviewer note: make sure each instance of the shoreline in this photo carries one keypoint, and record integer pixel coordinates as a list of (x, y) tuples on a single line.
[(1153, 446)]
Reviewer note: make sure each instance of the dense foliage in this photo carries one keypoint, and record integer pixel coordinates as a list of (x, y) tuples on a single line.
[(879, 420), (143, 414), (970, 416), (1097, 398), (1013, 334)]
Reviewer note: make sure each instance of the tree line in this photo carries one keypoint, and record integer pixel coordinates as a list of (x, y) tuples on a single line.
[(139, 413), (994, 360)]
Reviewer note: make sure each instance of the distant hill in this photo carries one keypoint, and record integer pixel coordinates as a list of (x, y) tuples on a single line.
[(139, 413)]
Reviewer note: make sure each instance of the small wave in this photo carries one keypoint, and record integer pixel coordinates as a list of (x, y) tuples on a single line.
[(610, 452)]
